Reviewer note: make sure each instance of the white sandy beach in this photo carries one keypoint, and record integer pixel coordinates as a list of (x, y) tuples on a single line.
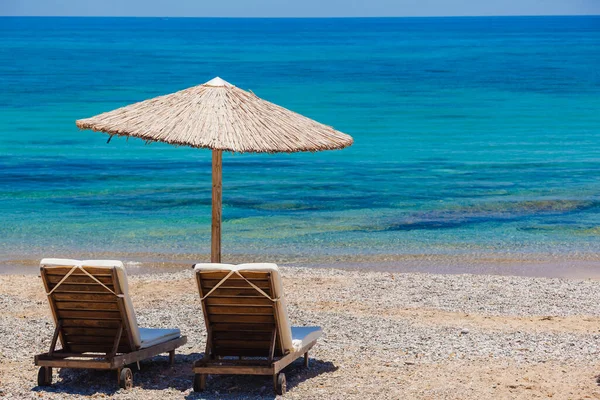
[(413, 335)]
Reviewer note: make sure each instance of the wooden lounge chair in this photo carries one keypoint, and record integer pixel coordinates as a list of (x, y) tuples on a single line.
[(247, 323), (95, 321)]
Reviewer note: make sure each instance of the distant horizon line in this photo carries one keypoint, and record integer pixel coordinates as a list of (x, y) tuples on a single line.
[(305, 17)]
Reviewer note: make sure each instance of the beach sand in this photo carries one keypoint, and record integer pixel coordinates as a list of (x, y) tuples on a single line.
[(387, 335)]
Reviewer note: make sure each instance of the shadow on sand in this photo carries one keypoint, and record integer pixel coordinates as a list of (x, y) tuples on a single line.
[(256, 386), (157, 374)]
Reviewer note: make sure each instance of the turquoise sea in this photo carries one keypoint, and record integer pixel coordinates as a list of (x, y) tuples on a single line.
[(474, 137)]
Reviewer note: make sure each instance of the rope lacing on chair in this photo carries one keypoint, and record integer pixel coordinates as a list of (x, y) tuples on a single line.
[(259, 290), (88, 274)]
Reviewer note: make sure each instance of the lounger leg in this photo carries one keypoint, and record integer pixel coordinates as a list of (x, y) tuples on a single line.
[(306, 362), (279, 383), (172, 357), (55, 338), (199, 382)]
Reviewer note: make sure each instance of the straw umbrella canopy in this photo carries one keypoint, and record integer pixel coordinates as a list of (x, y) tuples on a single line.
[(222, 117)]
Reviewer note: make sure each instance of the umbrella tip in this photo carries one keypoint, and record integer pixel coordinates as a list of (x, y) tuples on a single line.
[(218, 82)]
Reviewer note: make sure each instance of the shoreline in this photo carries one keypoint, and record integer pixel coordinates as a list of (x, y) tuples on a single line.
[(569, 266), (387, 335)]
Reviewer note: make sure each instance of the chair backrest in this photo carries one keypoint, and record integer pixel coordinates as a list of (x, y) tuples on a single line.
[(240, 318), (90, 303)]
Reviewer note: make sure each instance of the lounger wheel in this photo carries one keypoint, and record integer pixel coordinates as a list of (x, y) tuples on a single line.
[(199, 382), (281, 384), (126, 379), (45, 376)]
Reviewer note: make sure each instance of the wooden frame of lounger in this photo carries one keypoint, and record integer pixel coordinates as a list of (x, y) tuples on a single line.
[(92, 326), (236, 308)]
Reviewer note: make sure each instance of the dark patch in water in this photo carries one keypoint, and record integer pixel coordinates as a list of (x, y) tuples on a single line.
[(495, 212), (430, 225), (137, 203)]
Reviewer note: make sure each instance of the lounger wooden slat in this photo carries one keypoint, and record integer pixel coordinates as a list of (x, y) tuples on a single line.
[(240, 310), (81, 296), (90, 332), (245, 316), (237, 284), (96, 271), (255, 276), (241, 344), (229, 292), (96, 348), (86, 305), (266, 319), (81, 288), (79, 339), (261, 283), (88, 323), (237, 301), (78, 279), (88, 314), (248, 336), (248, 327), (95, 321)]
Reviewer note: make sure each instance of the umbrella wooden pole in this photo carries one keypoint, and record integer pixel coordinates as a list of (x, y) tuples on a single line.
[(217, 191)]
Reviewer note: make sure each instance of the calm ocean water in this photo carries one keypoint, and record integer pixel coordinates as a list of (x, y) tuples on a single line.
[(472, 136)]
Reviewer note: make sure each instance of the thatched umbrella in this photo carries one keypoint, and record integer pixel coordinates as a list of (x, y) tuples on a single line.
[(221, 117)]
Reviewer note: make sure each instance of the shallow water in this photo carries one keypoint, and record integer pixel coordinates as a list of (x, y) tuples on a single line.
[(473, 136)]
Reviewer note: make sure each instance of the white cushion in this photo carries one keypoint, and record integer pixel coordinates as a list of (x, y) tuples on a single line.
[(207, 267), (55, 262), (151, 337), (303, 335), (124, 286)]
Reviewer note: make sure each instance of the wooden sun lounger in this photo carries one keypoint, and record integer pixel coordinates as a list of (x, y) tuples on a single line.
[(95, 321), (247, 324)]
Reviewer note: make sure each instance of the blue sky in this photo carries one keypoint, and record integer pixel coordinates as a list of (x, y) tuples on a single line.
[(297, 8)]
